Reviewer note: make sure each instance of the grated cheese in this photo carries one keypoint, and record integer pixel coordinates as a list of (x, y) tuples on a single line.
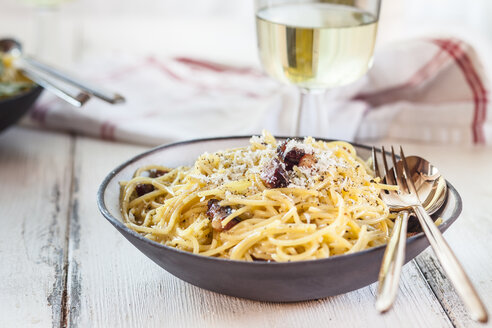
[(250, 161)]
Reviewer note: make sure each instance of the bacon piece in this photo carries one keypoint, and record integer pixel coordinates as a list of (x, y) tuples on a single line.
[(308, 160), (274, 175), (143, 189), (291, 157), (281, 148), (217, 213)]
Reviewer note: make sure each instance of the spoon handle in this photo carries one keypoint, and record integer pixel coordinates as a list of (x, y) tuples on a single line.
[(393, 259), (77, 100), (452, 267), (98, 92)]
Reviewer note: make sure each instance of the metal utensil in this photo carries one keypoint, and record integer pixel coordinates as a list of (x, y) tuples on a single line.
[(15, 48), (394, 255), (78, 99), (108, 96), (432, 189), (409, 196)]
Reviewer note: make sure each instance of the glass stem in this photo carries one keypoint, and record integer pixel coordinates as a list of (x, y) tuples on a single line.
[(48, 43), (312, 118)]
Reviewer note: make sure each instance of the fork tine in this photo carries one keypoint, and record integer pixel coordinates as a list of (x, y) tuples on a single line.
[(390, 178), (375, 164), (399, 173), (408, 175)]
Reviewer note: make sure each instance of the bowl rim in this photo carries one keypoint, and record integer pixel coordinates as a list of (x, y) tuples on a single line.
[(121, 226), (35, 88)]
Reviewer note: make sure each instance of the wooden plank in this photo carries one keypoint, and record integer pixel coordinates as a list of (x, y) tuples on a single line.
[(89, 278), (35, 176), (468, 169), (111, 284)]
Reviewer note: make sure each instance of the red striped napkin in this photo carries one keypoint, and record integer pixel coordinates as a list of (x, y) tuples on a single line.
[(429, 90)]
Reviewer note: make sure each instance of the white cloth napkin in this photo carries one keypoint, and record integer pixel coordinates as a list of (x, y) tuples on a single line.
[(430, 90)]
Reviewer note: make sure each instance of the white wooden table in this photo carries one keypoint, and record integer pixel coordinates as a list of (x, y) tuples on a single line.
[(63, 264)]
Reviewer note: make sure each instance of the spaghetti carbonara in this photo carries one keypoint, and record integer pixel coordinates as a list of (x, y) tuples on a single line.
[(274, 201), (12, 82)]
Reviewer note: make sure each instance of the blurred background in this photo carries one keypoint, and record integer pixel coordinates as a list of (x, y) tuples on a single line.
[(64, 32)]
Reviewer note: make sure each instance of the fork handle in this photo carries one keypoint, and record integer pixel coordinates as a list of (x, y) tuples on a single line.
[(452, 267), (96, 91), (393, 259), (77, 99)]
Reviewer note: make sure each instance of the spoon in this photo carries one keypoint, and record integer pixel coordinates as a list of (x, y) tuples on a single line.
[(452, 267), (15, 48), (432, 191), (424, 182), (430, 184)]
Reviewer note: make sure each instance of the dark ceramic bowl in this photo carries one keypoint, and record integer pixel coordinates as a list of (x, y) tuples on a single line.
[(13, 108), (278, 282)]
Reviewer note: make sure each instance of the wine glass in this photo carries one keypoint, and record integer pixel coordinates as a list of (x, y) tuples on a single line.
[(316, 45), (48, 44)]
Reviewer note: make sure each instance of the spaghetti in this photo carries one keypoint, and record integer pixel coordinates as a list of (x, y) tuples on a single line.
[(12, 82), (290, 201)]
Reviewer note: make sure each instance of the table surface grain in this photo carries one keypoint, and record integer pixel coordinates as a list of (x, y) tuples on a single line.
[(63, 264)]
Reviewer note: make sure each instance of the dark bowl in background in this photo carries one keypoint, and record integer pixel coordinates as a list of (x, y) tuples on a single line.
[(13, 108), (277, 282)]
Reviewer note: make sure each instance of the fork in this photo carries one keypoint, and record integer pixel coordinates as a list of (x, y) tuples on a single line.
[(394, 255), (407, 195)]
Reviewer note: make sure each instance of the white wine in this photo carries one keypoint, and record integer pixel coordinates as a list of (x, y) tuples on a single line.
[(316, 45)]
